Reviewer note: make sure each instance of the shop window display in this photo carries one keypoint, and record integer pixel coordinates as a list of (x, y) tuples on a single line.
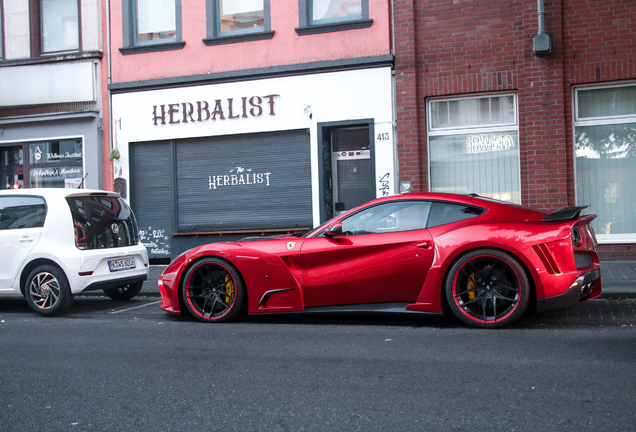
[(474, 146)]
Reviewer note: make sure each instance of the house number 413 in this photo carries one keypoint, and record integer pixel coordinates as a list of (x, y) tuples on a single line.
[(384, 136)]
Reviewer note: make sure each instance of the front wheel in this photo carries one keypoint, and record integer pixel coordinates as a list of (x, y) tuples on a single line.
[(213, 291), (124, 293), (47, 290), (487, 288)]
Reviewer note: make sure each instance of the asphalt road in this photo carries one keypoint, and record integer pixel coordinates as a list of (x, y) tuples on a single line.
[(128, 366)]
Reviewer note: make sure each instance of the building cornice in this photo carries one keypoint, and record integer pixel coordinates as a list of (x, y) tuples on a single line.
[(253, 74)]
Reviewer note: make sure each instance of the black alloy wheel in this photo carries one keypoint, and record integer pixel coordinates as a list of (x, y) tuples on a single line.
[(487, 288), (213, 291)]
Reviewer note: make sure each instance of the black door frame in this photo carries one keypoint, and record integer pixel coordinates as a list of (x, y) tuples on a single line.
[(325, 169)]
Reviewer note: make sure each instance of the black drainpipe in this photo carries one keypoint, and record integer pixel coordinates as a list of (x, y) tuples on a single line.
[(541, 44)]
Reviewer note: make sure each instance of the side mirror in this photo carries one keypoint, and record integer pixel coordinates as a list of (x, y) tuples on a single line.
[(334, 230)]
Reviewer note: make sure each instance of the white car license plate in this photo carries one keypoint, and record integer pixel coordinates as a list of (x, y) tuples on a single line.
[(121, 264)]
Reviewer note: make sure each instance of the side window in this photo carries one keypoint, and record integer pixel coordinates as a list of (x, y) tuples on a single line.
[(231, 21), (322, 16), (388, 217), (22, 212), (151, 25), (443, 213)]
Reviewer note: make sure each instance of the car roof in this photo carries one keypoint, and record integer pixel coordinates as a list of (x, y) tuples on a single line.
[(56, 192)]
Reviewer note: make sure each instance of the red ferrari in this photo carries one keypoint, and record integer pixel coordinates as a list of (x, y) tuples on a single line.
[(486, 261)]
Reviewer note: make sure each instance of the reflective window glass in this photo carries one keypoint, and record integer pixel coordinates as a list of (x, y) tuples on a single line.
[(60, 25)]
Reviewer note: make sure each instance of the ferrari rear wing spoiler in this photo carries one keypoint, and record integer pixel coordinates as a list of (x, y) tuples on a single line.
[(567, 213)]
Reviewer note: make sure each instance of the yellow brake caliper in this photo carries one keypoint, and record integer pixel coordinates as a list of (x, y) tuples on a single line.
[(229, 288), (470, 286)]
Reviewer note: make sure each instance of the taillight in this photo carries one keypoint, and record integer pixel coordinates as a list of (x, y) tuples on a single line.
[(576, 236)]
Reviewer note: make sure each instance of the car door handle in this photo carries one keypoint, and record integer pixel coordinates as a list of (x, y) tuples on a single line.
[(425, 245), (26, 239)]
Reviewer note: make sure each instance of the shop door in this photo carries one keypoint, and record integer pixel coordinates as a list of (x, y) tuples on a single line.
[(12, 168), (352, 168)]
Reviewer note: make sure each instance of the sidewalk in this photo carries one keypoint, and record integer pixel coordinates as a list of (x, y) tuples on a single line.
[(618, 278)]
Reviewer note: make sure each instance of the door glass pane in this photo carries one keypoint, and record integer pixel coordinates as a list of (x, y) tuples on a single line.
[(155, 20), (605, 175), (11, 168), (60, 30), (237, 15)]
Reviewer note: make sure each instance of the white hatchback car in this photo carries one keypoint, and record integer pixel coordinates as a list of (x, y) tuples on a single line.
[(55, 243)]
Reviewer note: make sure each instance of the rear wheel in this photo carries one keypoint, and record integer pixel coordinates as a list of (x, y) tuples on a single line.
[(124, 293), (47, 290), (213, 291), (487, 288)]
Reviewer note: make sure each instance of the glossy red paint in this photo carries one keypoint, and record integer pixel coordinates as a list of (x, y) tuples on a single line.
[(406, 267)]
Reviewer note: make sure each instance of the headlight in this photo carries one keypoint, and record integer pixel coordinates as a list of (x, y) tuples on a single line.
[(576, 236)]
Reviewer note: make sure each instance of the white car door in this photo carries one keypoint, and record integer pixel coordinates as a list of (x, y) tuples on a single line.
[(21, 222)]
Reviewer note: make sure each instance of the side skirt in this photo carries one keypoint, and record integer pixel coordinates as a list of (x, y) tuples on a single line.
[(397, 307)]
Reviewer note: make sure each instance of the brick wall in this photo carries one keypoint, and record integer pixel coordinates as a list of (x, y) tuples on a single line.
[(462, 47)]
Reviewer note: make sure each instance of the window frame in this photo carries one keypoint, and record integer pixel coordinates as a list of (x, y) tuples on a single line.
[(307, 27), (578, 121), (216, 37), (2, 53), (131, 46), (474, 129), (35, 32)]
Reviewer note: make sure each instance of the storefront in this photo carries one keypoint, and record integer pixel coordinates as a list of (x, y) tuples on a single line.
[(51, 151), (223, 161)]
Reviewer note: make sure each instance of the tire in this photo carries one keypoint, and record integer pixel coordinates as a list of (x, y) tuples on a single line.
[(213, 291), (47, 290), (124, 293), (487, 288)]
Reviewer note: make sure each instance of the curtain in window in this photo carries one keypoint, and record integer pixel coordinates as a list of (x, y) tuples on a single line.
[(330, 9), (606, 174), (155, 16)]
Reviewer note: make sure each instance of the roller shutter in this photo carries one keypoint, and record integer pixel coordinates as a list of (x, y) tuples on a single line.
[(253, 181)]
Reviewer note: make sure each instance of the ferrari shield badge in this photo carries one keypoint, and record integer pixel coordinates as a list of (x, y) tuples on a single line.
[(290, 245)]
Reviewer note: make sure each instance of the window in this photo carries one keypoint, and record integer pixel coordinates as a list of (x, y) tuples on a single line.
[(155, 21), (22, 212), (321, 16), (151, 25), (389, 217), (473, 147), (59, 25), (56, 164), (1, 32), (443, 213), (231, 21), (605, 152)]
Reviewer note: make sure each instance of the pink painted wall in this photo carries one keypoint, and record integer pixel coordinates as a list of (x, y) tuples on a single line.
[(285, 48)]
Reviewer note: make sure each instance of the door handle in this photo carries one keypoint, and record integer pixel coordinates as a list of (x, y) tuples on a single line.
[(26, 239), (425, 245)]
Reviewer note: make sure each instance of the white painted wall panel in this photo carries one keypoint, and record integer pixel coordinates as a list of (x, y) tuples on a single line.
[(47, 84)]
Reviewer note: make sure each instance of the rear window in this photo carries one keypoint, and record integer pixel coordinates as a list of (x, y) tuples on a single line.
[(22, 212), (443, 213), (103, 222)]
